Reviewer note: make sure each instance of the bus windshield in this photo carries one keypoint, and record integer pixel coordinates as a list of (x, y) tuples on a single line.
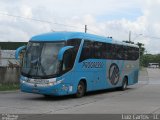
[(41, 59)]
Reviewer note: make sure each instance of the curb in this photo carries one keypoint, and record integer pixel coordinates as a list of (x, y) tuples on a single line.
[(9, 91)]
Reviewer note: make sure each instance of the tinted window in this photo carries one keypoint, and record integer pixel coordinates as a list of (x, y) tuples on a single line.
[(133, 53), (68, 59), (74, 42), (100, 50), (109, 50), (87, 50), (70, 54)]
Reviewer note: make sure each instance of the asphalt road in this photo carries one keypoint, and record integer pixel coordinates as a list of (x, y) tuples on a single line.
[(143, 97)]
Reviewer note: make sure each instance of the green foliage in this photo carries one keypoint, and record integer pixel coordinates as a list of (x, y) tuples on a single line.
[(145, 59), (8, 87), (141, 50), (149, 58), (11, 45)]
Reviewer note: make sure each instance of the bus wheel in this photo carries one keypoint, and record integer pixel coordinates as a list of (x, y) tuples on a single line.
[(80, 89), (47, 96), (124, 84)]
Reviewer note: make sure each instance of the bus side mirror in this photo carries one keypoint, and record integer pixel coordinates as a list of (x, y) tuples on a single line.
[(18, 51), (62, 51)]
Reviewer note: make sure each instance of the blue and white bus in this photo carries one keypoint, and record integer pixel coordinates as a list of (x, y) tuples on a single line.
[(63, 63)]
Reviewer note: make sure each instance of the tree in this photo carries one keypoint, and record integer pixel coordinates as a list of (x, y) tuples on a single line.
[(142, 50), (150, 58)]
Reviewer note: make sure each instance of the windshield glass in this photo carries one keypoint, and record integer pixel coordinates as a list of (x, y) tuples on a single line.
[(41, 59)]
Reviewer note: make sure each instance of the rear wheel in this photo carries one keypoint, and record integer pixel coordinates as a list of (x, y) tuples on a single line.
[(80, 89), (124, 84)]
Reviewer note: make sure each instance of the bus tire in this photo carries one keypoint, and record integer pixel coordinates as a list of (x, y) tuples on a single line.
[(47, 96), (124, 84), (80, 89)]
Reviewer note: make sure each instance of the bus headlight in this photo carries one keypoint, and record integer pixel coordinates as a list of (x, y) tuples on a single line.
[(51, 83), (22, 81)]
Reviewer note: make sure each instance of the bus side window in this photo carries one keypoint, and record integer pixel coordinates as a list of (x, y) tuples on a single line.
[(104, 52), (133, 53), (137, 53), (118, 52), (113, 52), (97, 50), (121, 52), (87, 51), (108, 51), (125, 53)]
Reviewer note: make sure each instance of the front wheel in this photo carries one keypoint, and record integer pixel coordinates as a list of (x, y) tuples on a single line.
[(47, 96), (80, 90)]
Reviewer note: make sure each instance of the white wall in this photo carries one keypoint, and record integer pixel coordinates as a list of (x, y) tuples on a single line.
[(6, 57)]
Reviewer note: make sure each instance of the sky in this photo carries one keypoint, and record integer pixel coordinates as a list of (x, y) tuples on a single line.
[(103, 17)]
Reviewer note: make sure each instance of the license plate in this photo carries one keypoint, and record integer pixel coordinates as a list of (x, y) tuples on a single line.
[(38, 81)]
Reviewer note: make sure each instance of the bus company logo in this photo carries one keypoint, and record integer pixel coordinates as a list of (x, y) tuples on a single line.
[(114, 74)]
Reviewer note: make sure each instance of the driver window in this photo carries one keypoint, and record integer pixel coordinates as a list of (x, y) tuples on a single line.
[(68, 59)]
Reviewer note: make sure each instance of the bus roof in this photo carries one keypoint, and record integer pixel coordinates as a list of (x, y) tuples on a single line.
[(64, 36)]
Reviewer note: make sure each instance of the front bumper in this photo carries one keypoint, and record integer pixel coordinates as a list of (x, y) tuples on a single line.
[(55, 90)]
